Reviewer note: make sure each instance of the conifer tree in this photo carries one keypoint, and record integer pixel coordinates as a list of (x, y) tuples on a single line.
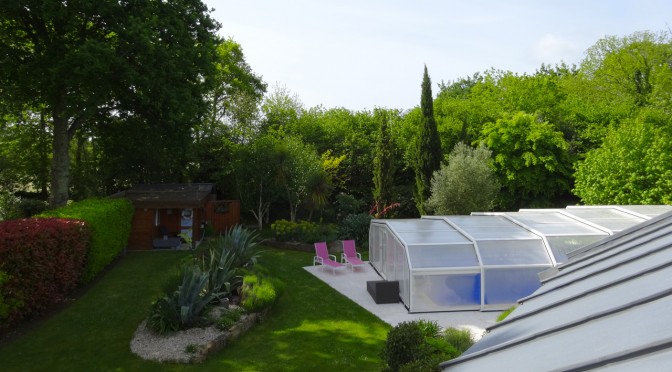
[(429, 146), (383, 163)]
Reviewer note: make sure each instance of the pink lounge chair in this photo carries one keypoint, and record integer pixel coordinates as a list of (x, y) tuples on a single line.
[(325, 259), (350, 257)]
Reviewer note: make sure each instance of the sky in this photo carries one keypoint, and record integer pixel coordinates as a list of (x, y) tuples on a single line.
[(371, 53)]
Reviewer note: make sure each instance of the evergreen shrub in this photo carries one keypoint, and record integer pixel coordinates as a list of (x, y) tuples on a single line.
[(405, 343), (420, 345), (355, 226)]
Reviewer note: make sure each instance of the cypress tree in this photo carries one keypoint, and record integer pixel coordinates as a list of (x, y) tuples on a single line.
[(383, 163), (429, 146)]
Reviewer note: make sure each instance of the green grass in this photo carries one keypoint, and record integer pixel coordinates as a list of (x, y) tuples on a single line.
[(505, 313), (312, 327)]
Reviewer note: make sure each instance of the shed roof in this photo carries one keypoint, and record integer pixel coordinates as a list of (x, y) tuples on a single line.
[(169, 195), (608, 307)]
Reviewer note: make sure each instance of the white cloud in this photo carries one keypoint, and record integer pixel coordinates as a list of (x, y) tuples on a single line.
[(552, 49)]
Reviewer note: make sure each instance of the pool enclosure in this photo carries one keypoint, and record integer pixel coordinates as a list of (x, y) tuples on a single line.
[(487, 261)]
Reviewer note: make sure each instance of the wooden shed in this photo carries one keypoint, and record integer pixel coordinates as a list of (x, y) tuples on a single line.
[(162, 211)]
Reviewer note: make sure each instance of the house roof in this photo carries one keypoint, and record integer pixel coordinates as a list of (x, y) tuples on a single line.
[(607, 307), (169, 195)]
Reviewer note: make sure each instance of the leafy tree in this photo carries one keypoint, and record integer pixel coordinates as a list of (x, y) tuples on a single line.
[(85, 60), (618, 77), (531, 160), (254, 173), (24, 154), (231, 120), (633, 165), (429, 145), (356, 143), (460, 114), (383, 164), (280, 109), (627, 67), (234, 99), (466, 184), (296, 163)]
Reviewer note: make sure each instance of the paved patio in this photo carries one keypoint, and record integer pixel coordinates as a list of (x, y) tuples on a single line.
[(353, 285)]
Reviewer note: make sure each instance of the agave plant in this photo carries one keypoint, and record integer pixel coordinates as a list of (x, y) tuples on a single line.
[(222, 273), (242, 242), (192, 296)]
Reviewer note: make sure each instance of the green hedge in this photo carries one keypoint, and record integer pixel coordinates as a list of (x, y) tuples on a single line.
[(110, 224)]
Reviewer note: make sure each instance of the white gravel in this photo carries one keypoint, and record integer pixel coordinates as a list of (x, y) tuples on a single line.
[(172, 347)]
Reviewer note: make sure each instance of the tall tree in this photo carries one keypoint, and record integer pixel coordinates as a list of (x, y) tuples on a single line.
[(85, 60), (234, 99), (429, 145), (383, 163), (619, 77)]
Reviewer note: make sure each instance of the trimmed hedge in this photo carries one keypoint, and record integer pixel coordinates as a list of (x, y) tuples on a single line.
[(110, 223), (41, 261)]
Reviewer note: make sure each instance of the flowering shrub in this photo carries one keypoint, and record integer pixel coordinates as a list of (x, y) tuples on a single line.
[(110, 223), (41, 260)]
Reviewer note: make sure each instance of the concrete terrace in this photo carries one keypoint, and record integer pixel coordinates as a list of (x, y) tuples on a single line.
[(352, 284)]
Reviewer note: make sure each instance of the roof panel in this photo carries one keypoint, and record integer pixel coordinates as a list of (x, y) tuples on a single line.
[(418, 225), (578, 345), (513, 252), (648, 210), (442, 256), (554, 223), (433, 237), (586, 311), (610, 218), (480, 221)]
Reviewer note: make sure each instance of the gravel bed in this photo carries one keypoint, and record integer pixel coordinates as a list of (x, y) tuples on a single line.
[(172, 347)]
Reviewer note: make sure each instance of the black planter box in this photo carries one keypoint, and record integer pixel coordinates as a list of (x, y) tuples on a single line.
[(383, 292)]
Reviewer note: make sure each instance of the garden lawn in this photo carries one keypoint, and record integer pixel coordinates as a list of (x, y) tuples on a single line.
[(312, 327)]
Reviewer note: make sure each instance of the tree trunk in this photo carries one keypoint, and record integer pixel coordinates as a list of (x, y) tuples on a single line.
[(60, 164), (43, 175)]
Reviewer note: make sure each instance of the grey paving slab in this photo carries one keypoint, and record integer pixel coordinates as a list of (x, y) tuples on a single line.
[(352, 284)]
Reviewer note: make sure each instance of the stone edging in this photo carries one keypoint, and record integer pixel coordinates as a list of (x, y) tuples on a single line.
[(233, 333)]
